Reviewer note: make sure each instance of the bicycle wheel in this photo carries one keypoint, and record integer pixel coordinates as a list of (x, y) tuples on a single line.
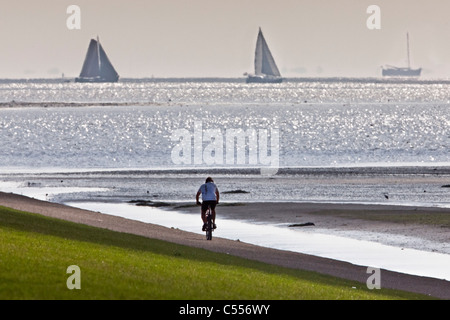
[(209, 226)]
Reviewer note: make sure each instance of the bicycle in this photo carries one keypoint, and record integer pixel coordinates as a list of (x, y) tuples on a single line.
[(209, 224)]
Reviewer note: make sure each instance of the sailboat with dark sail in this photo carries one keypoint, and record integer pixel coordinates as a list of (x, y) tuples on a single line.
[(391, 71), (96, 66), (266, 71)]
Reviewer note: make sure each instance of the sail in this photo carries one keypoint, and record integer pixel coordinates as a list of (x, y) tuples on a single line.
[(91, 67), (96, 66), (107, 70), (264, 62)]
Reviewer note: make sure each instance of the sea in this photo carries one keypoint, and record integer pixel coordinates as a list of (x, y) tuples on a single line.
[(325, 140)]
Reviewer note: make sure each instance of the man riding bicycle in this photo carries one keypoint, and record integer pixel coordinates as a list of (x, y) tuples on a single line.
[(210, 197)]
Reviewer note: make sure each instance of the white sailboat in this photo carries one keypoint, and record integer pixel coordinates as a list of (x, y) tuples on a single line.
[(266, 71), (391, 71)]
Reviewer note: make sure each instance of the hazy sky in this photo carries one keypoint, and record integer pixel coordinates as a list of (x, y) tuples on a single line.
[(211, 38)]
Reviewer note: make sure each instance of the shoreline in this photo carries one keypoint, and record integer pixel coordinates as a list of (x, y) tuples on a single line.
[(431, 286), (420, 228)]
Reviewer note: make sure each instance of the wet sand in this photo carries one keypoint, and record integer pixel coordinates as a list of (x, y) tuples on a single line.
[(420, 228), (331, 215)]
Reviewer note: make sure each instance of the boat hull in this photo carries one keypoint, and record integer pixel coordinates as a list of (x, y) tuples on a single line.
[(264, 79), (95, 80), (401, 72)]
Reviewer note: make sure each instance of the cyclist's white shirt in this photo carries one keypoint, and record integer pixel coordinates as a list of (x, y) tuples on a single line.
[(208, 191)]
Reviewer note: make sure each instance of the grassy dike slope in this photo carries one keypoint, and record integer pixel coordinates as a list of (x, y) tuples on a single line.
[(35, 252)]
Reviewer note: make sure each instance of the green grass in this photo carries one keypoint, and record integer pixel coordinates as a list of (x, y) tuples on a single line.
[(35, 252)]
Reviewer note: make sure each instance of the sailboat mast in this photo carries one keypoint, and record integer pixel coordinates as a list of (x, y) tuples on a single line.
[(407, 49), (98, 54)]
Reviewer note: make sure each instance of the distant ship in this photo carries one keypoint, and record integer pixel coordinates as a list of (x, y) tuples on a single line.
[(266, 71), (391, 71), (96, 66)]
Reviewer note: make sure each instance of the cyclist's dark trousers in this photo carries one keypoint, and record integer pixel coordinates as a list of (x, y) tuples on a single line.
[(211, 203)]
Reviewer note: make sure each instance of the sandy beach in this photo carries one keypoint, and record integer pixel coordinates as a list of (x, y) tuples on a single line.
[(323, 215)]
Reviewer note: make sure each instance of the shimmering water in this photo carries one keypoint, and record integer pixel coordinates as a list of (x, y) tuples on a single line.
[(136, 125), (230, 91), (320, 123)]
